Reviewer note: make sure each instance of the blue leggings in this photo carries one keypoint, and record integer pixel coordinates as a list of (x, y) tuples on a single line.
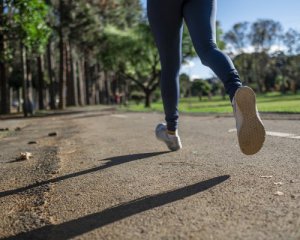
[(166, 22)]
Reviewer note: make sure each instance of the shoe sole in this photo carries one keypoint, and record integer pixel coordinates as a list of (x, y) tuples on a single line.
[(170, 147), (251, 135)]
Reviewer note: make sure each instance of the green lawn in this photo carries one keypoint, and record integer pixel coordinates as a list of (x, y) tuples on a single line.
[(271, 102)]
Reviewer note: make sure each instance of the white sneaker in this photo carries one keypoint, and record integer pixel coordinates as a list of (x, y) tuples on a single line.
[(173, 141), (250, 129)]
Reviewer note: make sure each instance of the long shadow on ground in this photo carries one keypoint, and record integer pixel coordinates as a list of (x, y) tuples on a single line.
[(90, 222), (113, 161)]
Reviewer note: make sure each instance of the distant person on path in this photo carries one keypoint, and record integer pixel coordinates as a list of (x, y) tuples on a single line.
[(166, 22)]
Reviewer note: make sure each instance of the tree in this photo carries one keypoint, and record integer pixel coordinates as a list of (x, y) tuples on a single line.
[(185, 85), (237, 37), (201, 88), (264, 34), (34, 33), (28, 29), (5, 105), (293, 71), (238, 40), (219, 36), (86, 22), (291, 40), (134, 55)]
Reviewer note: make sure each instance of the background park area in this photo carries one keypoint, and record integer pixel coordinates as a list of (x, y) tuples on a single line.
[(79, 103), (58, 54)]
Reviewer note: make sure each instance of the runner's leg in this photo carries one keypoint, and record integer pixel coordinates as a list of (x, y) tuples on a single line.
[(200, 17), (165, 17)]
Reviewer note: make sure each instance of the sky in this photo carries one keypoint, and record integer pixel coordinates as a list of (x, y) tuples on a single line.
[(230, 12)]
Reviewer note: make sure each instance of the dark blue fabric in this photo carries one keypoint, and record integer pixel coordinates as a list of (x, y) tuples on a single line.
[(166, 20)]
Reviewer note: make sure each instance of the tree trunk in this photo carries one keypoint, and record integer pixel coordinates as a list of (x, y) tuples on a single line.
[(24, 80), (148, 95), (62, 75), (93, 94), (126, 91), (62, 67), (70, 76), (254, 70), (51, 78), (87, 82), (244, 69), (29, 76), (5, 104), (81, 83), (93, 88), (294, 87), (19, 97), (98, 82), (102, 87), (11, 95), (4, 109), (107, 88), (74, 79), (30, 103), (41, 70)]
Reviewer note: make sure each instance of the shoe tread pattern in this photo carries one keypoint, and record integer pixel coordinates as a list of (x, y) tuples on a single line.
[(251, 135)]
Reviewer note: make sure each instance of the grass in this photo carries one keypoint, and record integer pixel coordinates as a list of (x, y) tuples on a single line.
[(271, 102)]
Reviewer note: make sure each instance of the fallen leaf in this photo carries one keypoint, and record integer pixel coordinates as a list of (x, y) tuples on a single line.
[(24, 156), (278, 183), (278, 193)]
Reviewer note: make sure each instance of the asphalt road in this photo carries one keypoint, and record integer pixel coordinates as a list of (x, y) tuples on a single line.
[(105, 176)]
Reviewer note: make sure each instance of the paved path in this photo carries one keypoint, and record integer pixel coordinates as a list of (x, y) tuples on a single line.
[(105, 176)]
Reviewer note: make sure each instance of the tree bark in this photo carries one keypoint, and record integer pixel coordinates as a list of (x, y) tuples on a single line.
[(41, 70), (256, 78), (93, 87), (80, 86), (74, 79), (126, 91), (5, 103), (102, 87), (24, 80), (71, 101), (62, 75), (51, 77), (30, 104), (107, 88), (87, 82), (98, 82), (62, 64), (19, 96), (148, 95)]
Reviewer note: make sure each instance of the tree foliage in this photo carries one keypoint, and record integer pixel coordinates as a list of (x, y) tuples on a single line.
[(265, 55), (29, 23), (99, 50)]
